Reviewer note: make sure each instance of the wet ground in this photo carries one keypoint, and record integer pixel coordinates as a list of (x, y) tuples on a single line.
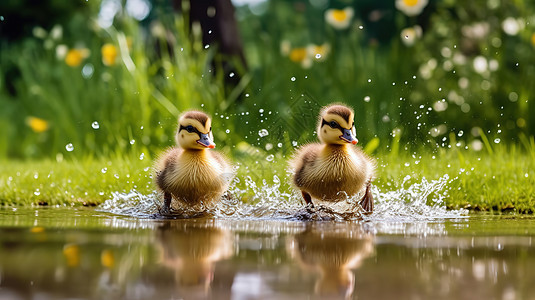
[(60, 253)]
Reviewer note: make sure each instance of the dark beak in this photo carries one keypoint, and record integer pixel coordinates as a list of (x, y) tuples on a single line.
[(206, 141), (348, 137)]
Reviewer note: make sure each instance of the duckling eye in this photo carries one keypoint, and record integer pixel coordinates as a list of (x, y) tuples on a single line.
[(333, 124), (190, 128)]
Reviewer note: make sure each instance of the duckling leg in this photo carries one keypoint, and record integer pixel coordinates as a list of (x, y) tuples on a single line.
[(166, 203), (367, 200), (308, 199)]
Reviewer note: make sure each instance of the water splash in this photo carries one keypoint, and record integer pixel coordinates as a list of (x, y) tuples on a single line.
[(423, 201)]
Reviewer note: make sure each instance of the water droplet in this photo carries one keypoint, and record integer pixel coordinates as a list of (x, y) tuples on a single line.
[(37, 192), (227, 131), (206, 46), (263, 132), (270, 157), (69, 147), (116, 176), (460, 133), (209, 31), (279, 145), (261, 110), (407, 37), (231, 74), (318, 56), (95, 125), (497, 141), (132, 142), (361, 27), (36, 175), (104, 170), (369, 80), (294, 143), (292, 79), (367, 99), (142, 156), (526, 175), (1, 18)]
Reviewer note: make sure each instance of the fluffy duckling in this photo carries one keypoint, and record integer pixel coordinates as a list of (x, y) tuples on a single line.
[(192, 174), (334, 169)]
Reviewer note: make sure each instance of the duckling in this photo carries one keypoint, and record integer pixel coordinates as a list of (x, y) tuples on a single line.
[(334, 169), (191, 173)]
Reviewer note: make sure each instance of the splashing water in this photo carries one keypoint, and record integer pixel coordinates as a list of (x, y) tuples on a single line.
[(422, 201)]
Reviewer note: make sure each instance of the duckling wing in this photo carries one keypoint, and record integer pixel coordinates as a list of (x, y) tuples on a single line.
[(304, 159), (366, 161), (224, 165)]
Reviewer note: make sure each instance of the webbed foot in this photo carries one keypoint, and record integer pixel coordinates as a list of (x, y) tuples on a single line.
[(166, 208), (367, 200), (308, 199)]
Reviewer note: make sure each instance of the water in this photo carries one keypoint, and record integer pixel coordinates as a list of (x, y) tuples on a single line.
[(271, 247), (269, 200), (60, 253)]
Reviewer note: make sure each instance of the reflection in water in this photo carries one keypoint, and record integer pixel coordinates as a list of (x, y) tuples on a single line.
[(192, 251), (70, 254), (332, 253)]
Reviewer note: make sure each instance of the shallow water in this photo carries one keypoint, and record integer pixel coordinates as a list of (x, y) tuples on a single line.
[(60, 253)]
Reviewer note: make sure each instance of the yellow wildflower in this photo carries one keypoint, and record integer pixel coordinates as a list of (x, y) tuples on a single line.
[(72, 255), (109, 54), (411, 8), (37, 229), (36, 124), (300, 55), (339, 18), (75, 57), (107, 259), (410, 35), (318, 52)]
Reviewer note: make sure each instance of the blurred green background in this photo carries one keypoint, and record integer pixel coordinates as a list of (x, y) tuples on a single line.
[(100, 78)]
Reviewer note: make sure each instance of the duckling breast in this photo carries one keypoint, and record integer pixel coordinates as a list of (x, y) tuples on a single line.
[(335, 174), (195, 176)]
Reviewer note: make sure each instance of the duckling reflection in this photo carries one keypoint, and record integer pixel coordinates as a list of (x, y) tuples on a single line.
[(332, 254), (192, 250)]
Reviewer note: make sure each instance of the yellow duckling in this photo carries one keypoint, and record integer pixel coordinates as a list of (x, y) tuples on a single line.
[(192, 174), (334, 169)]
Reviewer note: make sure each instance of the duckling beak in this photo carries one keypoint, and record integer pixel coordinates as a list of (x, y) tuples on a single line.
[(349, 137), (206, 141)]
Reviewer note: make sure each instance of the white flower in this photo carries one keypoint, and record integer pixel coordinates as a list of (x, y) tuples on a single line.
[(61, 51), (318, 52), (411, 7), (476, 31), (39, 32), (512, 26), (339, 18), (410, 35), (480, 64), (57, 32)]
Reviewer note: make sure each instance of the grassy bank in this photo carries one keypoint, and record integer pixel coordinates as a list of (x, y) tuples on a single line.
[(501, 180)]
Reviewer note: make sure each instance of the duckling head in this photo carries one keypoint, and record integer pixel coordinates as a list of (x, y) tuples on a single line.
[(336, 125), (195, 131)]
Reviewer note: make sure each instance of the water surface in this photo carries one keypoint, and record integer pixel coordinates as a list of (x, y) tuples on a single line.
[(60, 253)]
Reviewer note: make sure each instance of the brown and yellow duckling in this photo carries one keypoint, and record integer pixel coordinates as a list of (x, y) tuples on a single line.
[(192, 174), (334, 169)]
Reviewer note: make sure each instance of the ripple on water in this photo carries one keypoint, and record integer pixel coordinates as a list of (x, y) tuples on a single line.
[(421, 201)]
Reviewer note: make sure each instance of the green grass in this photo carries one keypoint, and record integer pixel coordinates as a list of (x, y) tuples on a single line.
[(481, 181)]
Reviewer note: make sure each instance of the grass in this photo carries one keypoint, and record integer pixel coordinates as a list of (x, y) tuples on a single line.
[(503, 180)]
